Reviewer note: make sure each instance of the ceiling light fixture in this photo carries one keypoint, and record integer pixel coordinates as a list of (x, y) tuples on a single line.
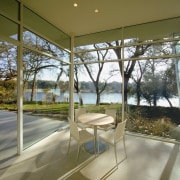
[(75, 4), (96, 10)]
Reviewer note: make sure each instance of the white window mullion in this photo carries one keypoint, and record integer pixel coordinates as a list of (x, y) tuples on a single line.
[(20, 86)]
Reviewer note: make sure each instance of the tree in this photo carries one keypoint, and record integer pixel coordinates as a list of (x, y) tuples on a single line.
[(94, 71), (169, 85), (132, 52), (8, 64), (34, 63), (8, 91), (157, 81), (137, 76), (151, 87), (77, 84), (8, 72), (159, 74), (63, 85)]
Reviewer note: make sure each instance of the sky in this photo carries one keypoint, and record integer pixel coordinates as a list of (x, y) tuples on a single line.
[(50, 75)]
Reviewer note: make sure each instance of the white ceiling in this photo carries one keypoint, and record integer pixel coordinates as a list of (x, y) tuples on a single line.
[(113, 14)]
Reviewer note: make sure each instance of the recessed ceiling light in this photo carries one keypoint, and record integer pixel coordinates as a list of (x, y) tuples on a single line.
[(75, 4), (96, 10)]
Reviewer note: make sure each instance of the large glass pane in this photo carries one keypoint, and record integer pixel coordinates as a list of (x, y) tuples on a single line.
[(177, 65), (150, 50), (95, 53), (8, 99), (153, 98), (45, 108), (97, 84), (37, 43)]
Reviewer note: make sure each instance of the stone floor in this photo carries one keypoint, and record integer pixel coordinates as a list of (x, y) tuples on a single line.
[(48, 160)]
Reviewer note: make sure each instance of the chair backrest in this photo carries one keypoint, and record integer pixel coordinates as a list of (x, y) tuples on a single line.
[(120, 129), (73, 129), (111, 112), (78, 112)]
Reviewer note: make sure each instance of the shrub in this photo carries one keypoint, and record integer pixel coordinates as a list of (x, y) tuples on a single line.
[(156, 126)]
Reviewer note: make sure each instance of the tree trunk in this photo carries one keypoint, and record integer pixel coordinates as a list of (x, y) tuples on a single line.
[(126, 80), (80, 99), (138, 93), (170, 104), (98, 98), (155, 99), (33, 87)]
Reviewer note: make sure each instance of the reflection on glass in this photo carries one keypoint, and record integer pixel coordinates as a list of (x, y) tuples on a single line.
[(149, 50), (153, 98), (34, 41), (100, 52), (44, 88), (8, 100)]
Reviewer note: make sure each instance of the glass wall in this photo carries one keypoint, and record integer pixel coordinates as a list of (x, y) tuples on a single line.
[(153, 107), (133, 69), (45, 87), (144, 66), (46, 66), (9, 17), (8, 100), (45, 63), (150, 78), (97, 79)]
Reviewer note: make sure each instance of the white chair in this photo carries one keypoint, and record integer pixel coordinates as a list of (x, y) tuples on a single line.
[(113, 137), (81, 136), (109, 112), (78, 112)]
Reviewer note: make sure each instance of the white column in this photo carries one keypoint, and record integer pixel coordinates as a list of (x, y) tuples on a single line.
[(122, 74), (177, 66), (20, 87), (71, 82)]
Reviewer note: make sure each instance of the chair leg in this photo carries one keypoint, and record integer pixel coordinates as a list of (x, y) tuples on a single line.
[(69, 144), (95, 144), (98, 145), (78, 152), (115, 155), (124, 146)]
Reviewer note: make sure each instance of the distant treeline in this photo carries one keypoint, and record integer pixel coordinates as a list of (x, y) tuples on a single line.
[(113, 87)]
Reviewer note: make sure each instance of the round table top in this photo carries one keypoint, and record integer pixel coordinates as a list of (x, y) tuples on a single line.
[(96, 119)]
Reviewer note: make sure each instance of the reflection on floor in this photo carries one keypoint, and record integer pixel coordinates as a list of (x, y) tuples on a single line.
[(48, 160)]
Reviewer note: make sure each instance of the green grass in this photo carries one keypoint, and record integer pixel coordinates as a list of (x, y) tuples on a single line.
[(47, 108), (8, 107), (156, 121)]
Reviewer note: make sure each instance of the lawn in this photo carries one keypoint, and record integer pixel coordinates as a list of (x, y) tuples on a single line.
[(158, 121)]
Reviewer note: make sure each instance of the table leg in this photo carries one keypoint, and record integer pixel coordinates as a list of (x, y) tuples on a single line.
[(95, 134), (90, 145)]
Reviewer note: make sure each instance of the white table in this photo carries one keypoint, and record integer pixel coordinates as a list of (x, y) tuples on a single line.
[(95, 119)]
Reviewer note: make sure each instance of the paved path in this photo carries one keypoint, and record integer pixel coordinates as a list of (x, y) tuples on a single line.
[(35, 129)]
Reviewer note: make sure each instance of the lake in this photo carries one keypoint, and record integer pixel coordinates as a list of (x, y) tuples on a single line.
[(90, 98)]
